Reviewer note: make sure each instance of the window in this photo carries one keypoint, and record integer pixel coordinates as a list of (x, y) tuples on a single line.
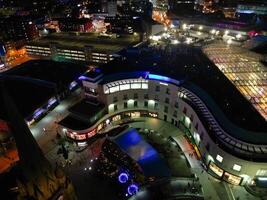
[(125, 97), (115, 107), (115, 99), (156, 106), (167, 91), (146, 96), (157, 88), (219, 158), (176, 105), (237, 167), (166, 109), (146, 104), (175, 113), (201, 135), (167, 100), (156, 97), (136, 85), (135, 104), (125, 105), (196, 126), (185, 110), (135, 96), (208, 147), (192, 118)]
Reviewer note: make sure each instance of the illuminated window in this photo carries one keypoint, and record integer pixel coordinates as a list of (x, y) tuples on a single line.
[(237, 167), (144, 86), (219, 158), (125, 87), (136, 86)]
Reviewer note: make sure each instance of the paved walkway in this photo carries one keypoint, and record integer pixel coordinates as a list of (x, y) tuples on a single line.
[(46, 139), (213, 188)]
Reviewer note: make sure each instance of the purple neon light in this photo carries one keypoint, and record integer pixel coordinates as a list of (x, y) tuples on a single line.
[(123, 177), (132, 189)]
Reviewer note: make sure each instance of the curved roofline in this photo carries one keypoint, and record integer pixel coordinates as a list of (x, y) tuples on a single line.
[(235, 131)]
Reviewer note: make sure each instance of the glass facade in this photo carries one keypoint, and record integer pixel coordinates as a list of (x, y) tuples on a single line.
[(126, 84)]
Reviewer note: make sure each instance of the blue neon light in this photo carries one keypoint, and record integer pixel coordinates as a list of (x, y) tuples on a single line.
[(159, 77), (123, 177), (83, 78), (142, 152), (132, 189), (246, 11), (72, 85)]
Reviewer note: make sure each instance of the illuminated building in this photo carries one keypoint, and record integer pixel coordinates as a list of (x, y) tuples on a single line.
[(73, 24), (89, 47), (230, 152), (16, 31)]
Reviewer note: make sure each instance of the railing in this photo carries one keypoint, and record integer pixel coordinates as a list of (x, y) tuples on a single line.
[(220, 136)]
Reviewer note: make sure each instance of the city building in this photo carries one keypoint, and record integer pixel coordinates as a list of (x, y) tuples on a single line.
[(16, 31), (232, 147), (88, 47), (74, 24)]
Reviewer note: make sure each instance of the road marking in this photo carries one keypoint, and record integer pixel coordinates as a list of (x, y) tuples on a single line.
[(229, 191)]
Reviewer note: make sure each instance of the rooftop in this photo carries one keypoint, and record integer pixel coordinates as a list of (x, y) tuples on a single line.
[(85, 110), (79, 41), (28, 95), (49, 71), (73, 123), (33, 83)]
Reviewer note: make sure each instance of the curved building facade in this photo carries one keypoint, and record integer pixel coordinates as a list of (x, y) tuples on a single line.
[(230, 153)]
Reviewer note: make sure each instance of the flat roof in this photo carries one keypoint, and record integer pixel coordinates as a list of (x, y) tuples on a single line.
[(190, 64), (74, 124), (33, 83), (27, 95), (58, 73), (99, 43), (85, 109)]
